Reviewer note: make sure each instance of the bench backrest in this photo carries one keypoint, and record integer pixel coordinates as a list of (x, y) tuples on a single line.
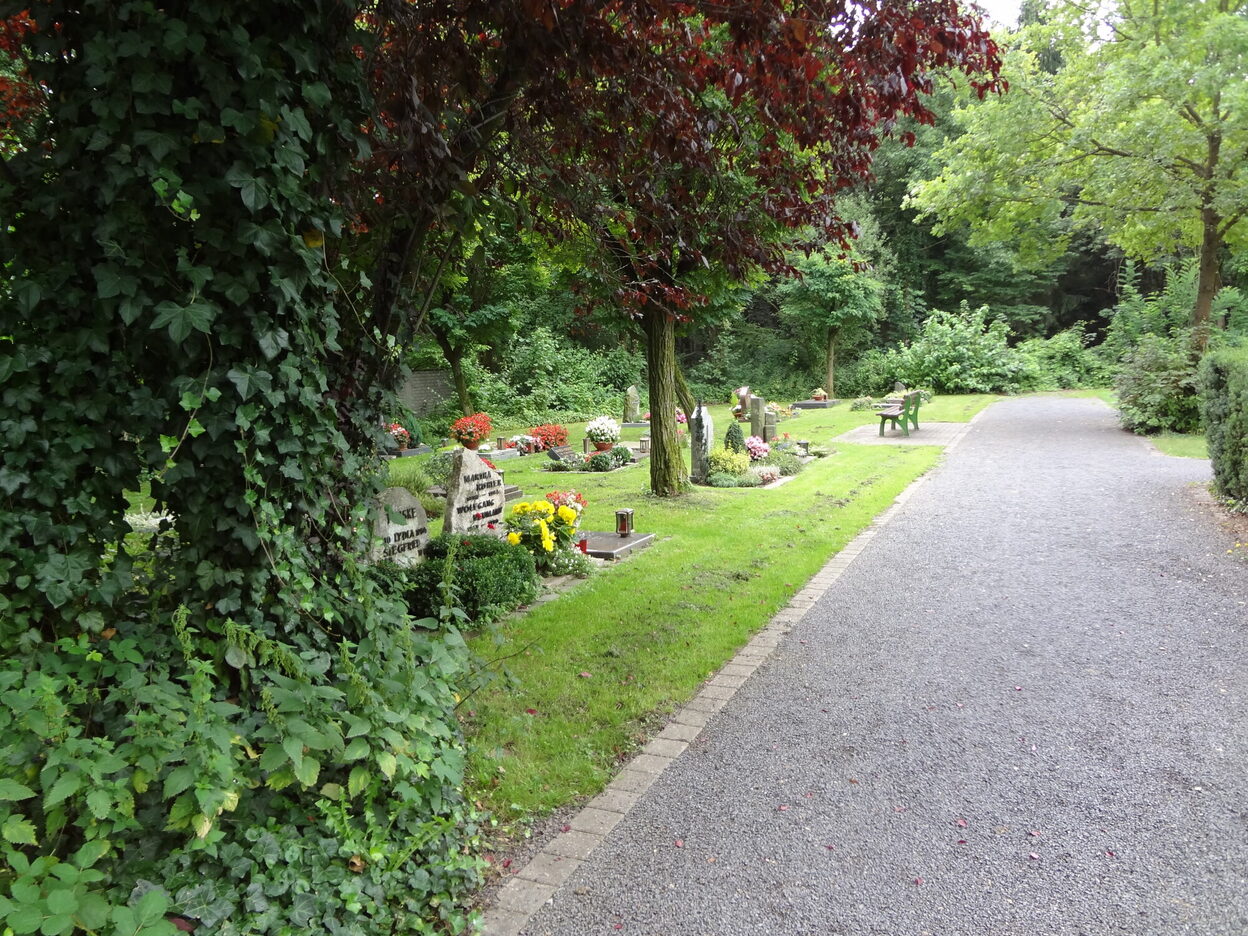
[(910, 402), (560, 452)]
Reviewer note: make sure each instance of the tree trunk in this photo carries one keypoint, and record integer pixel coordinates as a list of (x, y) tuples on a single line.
[(455, 358), (1209, 279), (830, 386), (667, 463)]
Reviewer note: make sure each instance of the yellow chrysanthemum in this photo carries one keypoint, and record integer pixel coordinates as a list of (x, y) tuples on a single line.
[(513, 537), (545, 507), (567, 514), (520, 508)]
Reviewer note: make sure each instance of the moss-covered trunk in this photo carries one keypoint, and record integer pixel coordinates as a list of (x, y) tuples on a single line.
[(667, 463)]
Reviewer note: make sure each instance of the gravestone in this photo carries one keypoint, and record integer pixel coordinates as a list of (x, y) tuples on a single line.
[(769, 425), (899, 387), (632, 404), (403, 541), (758, 411), (701, 438), (474, 496)]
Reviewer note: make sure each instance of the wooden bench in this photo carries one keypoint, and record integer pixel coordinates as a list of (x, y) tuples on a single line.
[(899, 414), (560, 452)]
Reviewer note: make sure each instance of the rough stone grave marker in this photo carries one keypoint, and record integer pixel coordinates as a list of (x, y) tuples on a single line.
[(474, 496), (758, 411), (701, 438), (403, 541), (632, 404)]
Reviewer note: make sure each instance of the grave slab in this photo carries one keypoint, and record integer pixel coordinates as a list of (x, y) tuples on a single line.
[(613, 546)]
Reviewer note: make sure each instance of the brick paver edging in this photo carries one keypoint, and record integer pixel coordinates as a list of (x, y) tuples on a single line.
[(536, 882)]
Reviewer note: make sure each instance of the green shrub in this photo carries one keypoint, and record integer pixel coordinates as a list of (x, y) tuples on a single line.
[(601, 461), (870, 374), (1063, 362), (1156, 387), (621, 455), (786, 462), (725, 479), (862, 403), (1224, 407), (726, 461), (565, 464), (959, 352), (734, 438), (490, 577)]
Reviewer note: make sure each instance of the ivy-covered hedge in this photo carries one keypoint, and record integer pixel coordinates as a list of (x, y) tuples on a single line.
[(1224, 408), (232, 721)]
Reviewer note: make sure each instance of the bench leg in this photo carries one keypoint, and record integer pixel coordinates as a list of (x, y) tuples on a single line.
[(904, 431), (883, 420)]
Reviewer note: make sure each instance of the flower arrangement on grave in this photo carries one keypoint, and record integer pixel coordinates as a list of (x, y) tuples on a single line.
[(470, 430), (574, 499), (757, 448), (681, 418), (528, 444), (602, 429), (550, 435), (543, 528), (766, 474), (818, 394), (402, 438)]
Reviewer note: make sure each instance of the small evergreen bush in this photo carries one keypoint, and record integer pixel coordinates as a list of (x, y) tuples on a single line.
[(621, 455), (734, 438), (1156, 387), (862, 403), (1224, 407)]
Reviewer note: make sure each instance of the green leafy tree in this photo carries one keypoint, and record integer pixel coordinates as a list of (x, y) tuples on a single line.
[(1134, 121), (829, 295)]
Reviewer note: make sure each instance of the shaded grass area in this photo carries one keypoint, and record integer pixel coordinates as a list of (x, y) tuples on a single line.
[(1181, 445), (589, 675)]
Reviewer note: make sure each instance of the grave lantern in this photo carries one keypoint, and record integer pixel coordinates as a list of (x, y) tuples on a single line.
[(803, 446), (645, 445), (502, 443), (624, 521)]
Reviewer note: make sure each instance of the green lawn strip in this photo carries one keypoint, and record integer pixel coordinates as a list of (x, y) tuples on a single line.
[(1181, 445), (650, 630)]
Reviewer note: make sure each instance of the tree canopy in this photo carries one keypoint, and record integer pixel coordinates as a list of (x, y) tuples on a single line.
[(1131, 120)]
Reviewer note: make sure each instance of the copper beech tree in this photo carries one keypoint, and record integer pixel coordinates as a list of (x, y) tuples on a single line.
[(688, 142)]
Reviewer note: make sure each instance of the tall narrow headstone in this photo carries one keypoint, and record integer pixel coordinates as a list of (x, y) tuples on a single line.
[(402, 528), (769, 425), (474, 496), (632, 404), (758, 409), (701, 438)]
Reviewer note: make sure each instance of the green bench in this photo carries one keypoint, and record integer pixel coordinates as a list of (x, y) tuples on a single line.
[(900, 412)]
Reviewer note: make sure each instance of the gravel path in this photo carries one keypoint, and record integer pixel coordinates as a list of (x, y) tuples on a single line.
[(1021, 710)]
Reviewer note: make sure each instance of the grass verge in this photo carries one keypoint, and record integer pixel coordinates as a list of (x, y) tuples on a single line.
[(1181, 445), (586, 677)]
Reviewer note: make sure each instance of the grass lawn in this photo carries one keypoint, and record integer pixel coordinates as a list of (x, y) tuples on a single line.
[(589, 675), (1183, 445)]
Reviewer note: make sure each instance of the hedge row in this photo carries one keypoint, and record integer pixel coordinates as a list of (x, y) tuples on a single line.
[(1224, 406)]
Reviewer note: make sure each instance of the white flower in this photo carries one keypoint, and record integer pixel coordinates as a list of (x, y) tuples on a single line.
[(603, 429)]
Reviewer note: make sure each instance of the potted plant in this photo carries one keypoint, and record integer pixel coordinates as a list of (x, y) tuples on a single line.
[(468, 431), (604, 432), (819, 394), (402, 438)]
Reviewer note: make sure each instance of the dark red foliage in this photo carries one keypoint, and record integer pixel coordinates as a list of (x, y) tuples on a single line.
[(680, 136)]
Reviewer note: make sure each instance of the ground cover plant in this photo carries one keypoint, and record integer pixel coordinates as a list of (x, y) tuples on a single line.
[(590, 673)]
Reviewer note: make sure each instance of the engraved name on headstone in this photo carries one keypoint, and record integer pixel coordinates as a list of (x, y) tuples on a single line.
[(474, 496), (403, 541)]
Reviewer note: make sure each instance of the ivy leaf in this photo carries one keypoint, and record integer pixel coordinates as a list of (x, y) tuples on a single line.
[(181, 320)]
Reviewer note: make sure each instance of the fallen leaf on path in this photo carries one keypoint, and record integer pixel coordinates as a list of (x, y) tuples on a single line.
[(1034, 857), (783, 807), (961, 823), (679, 843), (530, 711), (961, 841), (567, 827), (583, 674), (918, 880)]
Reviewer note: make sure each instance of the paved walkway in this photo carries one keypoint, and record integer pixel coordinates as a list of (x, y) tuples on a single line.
[(1020, 711)]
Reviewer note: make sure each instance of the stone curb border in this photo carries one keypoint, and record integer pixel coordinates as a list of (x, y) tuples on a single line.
[(534, 884)]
